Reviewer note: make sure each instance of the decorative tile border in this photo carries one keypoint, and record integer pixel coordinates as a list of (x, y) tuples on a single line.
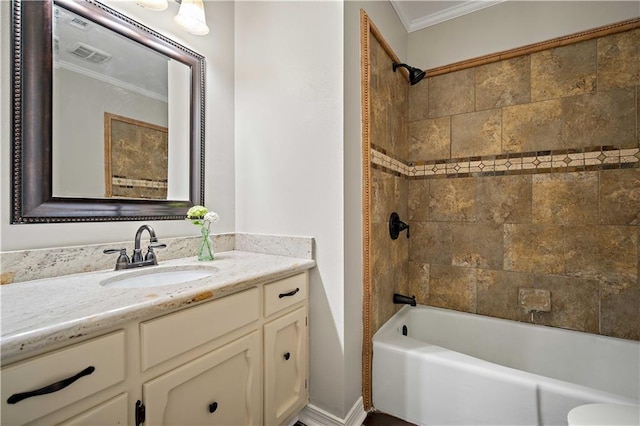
[(138, 183), (566, 160)]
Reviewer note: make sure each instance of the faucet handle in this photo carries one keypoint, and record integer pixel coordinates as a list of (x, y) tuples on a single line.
[(150, 254), (123, 259)]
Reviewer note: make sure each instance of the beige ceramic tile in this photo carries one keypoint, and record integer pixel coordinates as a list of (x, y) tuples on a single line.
[(476, 133), (504, 199), (498, 293), (503, 83), (452, 287), (397, 111), (620, 316), (604, 118), (619, 60), (382, 195), (418, 200), (430, 139), (389, 102), (381, 253), (620, 197), (477, 245), (399, 249), (419, 281), (452, 93), (533, 248), (430, 242), (534, 299), (574, 303), (419, 101), (605, 253), (378, 122), (564, 71), (452, 200), (383, 287), (565, 198), (531, 127)]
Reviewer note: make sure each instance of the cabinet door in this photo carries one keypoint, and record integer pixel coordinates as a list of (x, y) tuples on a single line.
[(285, 357), (222, 387)]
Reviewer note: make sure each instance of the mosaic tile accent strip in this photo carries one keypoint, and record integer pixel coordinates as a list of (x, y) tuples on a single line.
[(142, 183), (565, 160), (380, 158)]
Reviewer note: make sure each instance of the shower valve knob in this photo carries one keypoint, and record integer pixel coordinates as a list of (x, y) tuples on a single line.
[(396, 226)]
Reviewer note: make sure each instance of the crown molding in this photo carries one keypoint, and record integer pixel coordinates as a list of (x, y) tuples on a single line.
[(465, 8)]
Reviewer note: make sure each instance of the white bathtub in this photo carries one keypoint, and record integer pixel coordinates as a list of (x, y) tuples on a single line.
[(455, 368)]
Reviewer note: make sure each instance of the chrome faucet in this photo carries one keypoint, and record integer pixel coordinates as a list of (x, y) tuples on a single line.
[(137, 260)]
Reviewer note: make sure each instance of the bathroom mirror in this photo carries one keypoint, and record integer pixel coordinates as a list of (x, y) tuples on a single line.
[(99, 135)]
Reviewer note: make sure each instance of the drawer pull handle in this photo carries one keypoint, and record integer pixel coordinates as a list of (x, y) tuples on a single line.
[(287, 355), (291, 293), (213, 407), (17, 397)]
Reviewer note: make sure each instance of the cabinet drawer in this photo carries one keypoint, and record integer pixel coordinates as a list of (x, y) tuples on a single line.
[(95, 365), (113, 412), (284, 293), (171, 335)]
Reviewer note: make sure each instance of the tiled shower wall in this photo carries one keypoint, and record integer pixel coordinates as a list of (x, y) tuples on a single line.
[(389, 93), (523, 174)]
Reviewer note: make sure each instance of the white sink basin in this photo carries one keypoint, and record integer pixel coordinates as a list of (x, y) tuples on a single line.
[(158, 277)]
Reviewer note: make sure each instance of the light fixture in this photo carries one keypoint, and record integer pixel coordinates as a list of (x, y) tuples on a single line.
[(153, 4), (191, 17)]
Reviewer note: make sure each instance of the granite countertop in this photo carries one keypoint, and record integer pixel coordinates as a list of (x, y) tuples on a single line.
[(45, 312)]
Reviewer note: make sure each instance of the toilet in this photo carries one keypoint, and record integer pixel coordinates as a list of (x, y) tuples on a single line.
[(604, 415)]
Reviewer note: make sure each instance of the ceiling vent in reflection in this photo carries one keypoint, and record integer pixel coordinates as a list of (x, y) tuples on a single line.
[(79, 23), (72, 20), (89, 53)]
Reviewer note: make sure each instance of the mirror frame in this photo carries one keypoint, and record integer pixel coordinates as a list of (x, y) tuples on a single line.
[(32, 84)]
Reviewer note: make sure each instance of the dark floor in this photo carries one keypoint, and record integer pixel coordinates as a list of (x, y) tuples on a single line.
[(381, 419), (378, 419)]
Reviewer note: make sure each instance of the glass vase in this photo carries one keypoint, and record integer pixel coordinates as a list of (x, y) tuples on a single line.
[(205, 249)]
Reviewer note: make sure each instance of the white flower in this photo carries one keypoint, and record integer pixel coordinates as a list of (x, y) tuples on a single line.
[(211, 217)]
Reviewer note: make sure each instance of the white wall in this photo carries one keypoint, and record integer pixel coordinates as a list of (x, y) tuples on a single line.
[(385, 18), (509, 25), (79, 136), (218, 49), (289, 157)]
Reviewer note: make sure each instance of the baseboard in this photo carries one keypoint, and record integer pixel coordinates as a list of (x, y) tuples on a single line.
[(314, 416)]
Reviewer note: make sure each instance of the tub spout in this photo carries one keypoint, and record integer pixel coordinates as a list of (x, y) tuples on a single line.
[(401, 299)]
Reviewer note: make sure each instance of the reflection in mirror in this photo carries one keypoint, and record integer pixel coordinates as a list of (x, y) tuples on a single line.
[(108, 117), (98, 74)]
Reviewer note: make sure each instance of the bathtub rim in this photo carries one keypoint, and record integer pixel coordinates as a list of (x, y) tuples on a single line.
[(388, 337)]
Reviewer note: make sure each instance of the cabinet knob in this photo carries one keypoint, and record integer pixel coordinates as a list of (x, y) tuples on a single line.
[(213, 407), (287, 355)]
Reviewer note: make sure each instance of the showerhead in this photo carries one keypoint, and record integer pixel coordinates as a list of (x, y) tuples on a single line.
[(415, 74)]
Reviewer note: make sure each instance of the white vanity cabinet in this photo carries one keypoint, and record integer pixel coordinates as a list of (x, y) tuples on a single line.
[(236, 360), (285, 349)]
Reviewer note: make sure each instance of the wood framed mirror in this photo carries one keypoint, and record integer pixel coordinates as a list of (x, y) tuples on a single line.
[(39, 194)]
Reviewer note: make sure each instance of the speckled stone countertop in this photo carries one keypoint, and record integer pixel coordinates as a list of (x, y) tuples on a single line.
[(46, 312)]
